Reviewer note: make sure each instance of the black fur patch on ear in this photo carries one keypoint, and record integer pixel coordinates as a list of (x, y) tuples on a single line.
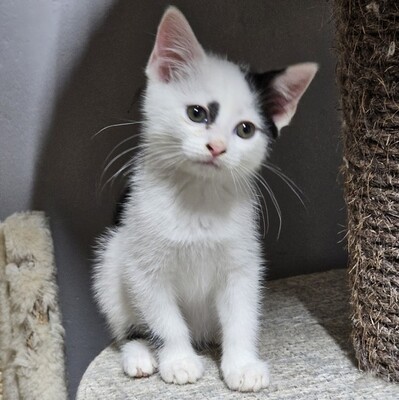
[(213, 111), (261, 85)]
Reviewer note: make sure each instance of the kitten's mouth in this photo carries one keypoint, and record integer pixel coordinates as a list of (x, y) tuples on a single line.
[(212, 163)]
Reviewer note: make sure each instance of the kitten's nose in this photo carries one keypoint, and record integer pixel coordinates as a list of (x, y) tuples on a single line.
[(216, 148)]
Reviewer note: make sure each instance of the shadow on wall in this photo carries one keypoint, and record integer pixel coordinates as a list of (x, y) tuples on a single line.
[(100, 92)]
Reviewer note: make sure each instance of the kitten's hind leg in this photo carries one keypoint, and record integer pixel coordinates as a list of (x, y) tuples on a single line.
[(137, 359)]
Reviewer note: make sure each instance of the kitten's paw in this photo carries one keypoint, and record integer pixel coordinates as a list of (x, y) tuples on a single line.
[(137, 360), (181, 370), (250, 377)]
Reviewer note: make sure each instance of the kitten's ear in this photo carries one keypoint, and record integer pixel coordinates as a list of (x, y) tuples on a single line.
[(176, 47), (281, 90)]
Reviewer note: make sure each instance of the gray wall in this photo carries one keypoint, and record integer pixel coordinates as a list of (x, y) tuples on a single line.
[(69, 68)]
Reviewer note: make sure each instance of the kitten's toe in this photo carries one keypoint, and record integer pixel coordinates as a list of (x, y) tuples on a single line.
[(137, 360), (187, 369), (250, 377)]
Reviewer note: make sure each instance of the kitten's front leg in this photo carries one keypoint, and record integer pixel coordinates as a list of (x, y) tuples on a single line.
[(178, 362), (238, 305)]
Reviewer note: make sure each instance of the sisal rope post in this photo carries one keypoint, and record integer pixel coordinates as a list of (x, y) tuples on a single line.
[(367, 34)]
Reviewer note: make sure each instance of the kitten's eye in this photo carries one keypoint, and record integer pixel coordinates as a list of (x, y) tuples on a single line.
[(245, 129), (197, 114)]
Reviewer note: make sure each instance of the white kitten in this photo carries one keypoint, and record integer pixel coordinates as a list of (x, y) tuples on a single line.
[(185, 264)]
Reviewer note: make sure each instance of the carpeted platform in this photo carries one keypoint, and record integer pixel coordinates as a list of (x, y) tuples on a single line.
[(305, 337)]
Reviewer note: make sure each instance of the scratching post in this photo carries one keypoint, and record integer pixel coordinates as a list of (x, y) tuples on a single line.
[(368, 74), (31, 334)]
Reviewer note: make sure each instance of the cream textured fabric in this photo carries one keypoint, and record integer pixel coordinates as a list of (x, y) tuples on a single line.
[(31, 334), (305, 337)]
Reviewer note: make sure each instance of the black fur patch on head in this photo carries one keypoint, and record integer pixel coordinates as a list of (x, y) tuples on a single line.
[(213, 111), (261, 85)]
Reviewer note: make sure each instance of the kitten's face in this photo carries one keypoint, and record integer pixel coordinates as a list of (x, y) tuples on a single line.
[(205, 115), (207, 123)]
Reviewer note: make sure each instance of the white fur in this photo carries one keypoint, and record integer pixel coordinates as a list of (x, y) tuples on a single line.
[(186, 262), (137, 360)]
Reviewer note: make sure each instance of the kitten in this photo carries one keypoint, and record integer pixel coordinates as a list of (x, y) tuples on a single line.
[(184, 265)]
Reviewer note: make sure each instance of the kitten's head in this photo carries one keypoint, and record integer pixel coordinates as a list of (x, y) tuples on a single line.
[(208, 116)]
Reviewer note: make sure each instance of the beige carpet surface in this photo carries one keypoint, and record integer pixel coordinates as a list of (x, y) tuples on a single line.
[(305, 337)]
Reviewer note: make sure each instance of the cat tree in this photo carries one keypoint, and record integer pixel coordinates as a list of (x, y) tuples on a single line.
[(368, 73)]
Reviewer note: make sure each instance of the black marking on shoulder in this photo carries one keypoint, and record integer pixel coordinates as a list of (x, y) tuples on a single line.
[(213, 111), (261, 85), (137, 99), (121, 205), (136, 333)]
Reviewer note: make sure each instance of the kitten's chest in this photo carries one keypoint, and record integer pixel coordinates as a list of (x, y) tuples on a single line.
[(201, 225), (194, 214), (198, 269), (197, 226)]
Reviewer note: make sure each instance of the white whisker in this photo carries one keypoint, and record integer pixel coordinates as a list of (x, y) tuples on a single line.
[(289, 182), (117, 173), (254, 188), (115, 159), (234, 181), (115, 126), (117, 146), (269, 190)]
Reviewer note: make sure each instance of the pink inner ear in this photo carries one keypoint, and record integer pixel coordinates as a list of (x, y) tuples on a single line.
[(169, 50), (288, 88), (175, 48)]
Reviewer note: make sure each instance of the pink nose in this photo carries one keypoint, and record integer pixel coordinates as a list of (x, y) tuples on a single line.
[(216, 148)]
